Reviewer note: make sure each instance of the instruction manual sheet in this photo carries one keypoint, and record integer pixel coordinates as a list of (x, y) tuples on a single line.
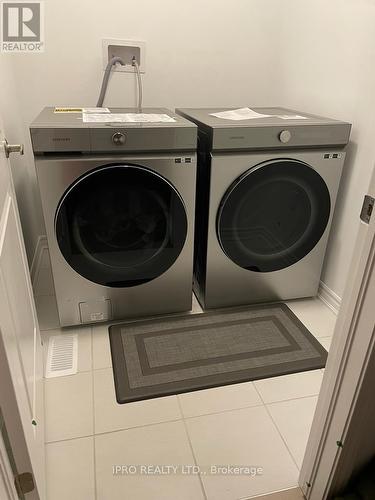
[(239, 114), (250, 114), (126, 118)]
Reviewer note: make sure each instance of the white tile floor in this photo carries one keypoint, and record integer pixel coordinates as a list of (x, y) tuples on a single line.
[(252, 423)]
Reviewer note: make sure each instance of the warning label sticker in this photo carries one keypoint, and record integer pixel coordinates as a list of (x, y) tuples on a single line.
[(68, 110)]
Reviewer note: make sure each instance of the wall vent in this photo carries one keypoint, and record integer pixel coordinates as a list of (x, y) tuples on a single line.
[(62, 355)]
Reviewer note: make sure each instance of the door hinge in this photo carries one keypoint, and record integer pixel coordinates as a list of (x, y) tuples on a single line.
[(367, 208), (24, 483)]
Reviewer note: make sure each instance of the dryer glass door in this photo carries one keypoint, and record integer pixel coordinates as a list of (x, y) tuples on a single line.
[(273, 215), (121, 225)]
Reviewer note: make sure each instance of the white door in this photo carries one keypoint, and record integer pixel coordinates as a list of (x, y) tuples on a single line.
[(21, 363), (347, 391)]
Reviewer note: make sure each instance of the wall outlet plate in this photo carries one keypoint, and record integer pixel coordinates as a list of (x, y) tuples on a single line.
[(125, 49)]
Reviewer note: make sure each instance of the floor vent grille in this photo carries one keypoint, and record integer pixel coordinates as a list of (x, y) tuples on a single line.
[(62, 355)]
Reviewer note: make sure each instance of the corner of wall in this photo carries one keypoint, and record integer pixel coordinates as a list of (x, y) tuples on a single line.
[(329, 297)]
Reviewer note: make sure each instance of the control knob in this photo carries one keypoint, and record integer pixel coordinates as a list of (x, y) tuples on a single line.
[(285, 136), (118, 139)]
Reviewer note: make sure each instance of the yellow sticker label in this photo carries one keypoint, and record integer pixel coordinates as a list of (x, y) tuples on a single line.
[(68, 110)]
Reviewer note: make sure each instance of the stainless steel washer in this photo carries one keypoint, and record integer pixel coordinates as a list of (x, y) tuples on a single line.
[(265, 200), (118, 202)]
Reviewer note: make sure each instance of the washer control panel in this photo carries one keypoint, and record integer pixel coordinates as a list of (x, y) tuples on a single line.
[(118, 138), (285, 136)]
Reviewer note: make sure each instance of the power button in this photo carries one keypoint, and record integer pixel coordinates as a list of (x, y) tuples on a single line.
[(118, 139)]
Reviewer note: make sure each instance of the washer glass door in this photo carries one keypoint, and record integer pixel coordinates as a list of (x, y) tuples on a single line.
[(273, 215), (121, 225)]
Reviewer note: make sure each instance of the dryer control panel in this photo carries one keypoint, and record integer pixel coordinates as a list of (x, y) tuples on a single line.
[(267, 128)]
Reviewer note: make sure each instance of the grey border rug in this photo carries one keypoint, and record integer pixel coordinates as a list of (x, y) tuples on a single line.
[(175, 354)]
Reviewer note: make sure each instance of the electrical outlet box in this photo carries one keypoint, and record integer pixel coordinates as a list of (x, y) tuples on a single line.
[(126, 49)]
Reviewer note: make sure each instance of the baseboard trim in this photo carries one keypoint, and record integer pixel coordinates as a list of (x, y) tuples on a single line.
[(329, 297), (41, 244)]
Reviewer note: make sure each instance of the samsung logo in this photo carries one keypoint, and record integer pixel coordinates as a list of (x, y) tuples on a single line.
[(237, 137), (59, 139)]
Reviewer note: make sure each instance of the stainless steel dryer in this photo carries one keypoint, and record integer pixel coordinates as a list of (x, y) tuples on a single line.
[(266, 194), (118, 202)]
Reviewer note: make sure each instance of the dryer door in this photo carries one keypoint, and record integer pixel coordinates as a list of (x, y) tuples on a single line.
[(273, 215), (121, 225)]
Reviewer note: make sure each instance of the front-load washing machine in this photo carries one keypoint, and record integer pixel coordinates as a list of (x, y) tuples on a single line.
[(266, 193), (118, 200)]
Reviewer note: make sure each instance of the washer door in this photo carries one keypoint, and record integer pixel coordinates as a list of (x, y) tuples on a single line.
[(121, 225), (273, 215)]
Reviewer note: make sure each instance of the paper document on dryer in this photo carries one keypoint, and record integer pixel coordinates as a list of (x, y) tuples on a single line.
[(250, 114), (292, 117), (95, 110), (126, 118), (239, 114)]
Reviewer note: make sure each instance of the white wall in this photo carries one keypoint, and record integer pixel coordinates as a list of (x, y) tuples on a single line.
[(316, 56), (328, 68), (198, 54)]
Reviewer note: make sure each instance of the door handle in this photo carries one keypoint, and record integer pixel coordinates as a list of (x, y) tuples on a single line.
[(12, 148)]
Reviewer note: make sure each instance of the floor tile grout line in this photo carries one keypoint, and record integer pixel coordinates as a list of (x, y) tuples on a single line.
[(261, 403), (109, 368), (116, 430), (191, 447), (278, 431), (290, 399), (222, 411), (86, 436), (72, 375), (139, 426), (175, 419), (93, 413)]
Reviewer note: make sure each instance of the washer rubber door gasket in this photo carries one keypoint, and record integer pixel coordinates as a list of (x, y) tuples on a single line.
[(273, 215), (121, 225)]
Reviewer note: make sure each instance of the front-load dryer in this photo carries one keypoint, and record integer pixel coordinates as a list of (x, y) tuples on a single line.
[(266, 193), (118, 202)]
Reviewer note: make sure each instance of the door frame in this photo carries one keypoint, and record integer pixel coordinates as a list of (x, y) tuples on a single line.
[(350, 371)]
